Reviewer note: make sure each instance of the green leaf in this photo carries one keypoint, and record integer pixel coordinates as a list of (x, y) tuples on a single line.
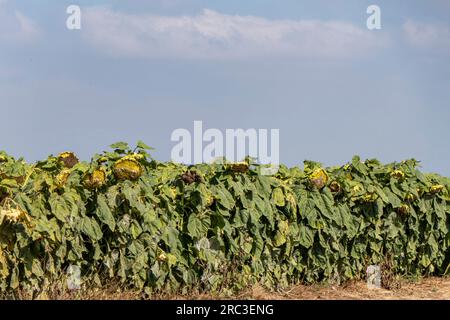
[(91, 228), (278, 197), (279, 239), (36, 268), (104, 212), (11, 183), (142, 145), (393, 199), (223, 195), (198, 226), (59, 207), (119, 145), (306, 238), (326, 207)]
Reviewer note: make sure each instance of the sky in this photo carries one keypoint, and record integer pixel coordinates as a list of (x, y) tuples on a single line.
[(138, 70)]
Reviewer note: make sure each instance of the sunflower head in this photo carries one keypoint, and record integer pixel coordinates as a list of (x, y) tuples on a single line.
[(370, 197), (239, 167), (191, 176), (410, 197), (318, 178), (403, 209), (420, 191), (335, 187), (438, 188), (68, 159), (13, 213), (96, 179), (127, 168), (62, 177), (209, 199), (398, 174)]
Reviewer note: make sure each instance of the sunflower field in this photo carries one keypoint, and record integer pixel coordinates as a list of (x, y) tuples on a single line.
[(220, 227)]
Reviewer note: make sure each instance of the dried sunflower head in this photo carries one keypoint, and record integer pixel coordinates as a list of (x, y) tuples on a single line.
[(398, 174), (403, 209), (370, 197), (318, 178), (335, 187), (127, 168), (62, 177), (410, 197), (191, 176), (239, 167), (420, 191), (68, 159), (438, 188), (209, 199), (96, 179), (13, 214)]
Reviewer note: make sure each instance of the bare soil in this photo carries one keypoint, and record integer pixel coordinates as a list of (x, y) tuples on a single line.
[(423, 289)]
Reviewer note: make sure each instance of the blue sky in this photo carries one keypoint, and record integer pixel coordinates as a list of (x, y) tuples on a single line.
[(141, 69)]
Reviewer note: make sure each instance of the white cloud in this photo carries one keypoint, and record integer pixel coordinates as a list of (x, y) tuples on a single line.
[(15, 26), (219, 36), (426, 36)]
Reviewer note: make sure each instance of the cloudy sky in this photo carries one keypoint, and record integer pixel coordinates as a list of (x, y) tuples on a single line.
[(140, 69)]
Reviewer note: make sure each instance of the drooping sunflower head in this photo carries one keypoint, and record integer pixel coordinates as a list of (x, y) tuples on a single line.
[(318, 178), (420, 191), (335, 187), (356, 189), (96, 179), (370, 197), (398, 174), (403, 209), (128, 168), (68, 159), (410, 197), (191, 176), (62, 177), (239, 167), (209, 199), (13, 213), (437, 188)]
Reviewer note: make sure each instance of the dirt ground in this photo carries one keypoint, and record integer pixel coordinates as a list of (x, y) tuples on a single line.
[(424, 289)]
